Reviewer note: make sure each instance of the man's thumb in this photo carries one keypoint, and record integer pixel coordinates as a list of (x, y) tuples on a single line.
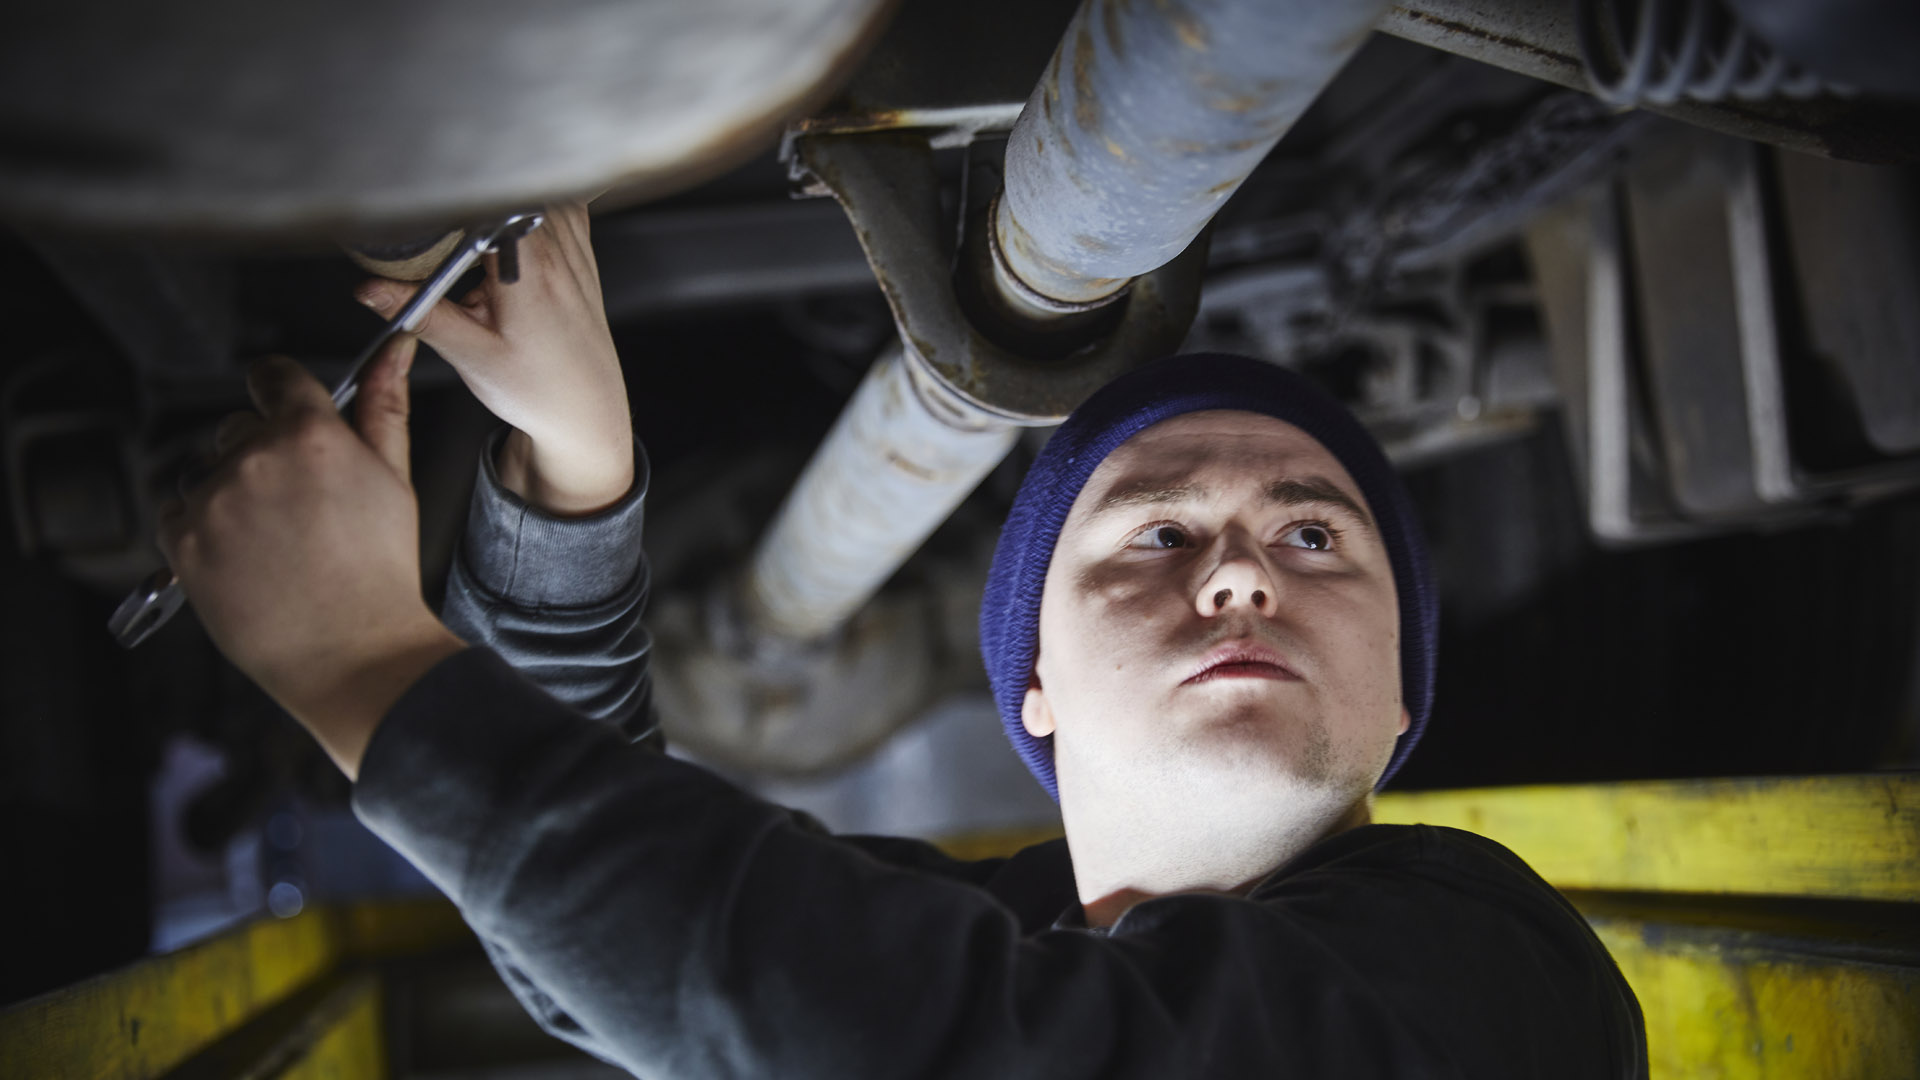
[(382, 405)]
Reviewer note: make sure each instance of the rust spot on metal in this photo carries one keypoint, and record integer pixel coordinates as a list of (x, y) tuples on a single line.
[(1235, 103), (765, 698), (1091, 243), (855, 121), (1110, 17), (924, 475), (1470, 30), (1019, 243), (1086, 108), (1224, 186), (1116, 150), (1039, 145), (1191, 31)]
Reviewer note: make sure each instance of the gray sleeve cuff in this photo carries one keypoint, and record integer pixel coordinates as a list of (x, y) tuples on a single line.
[(537, 560)]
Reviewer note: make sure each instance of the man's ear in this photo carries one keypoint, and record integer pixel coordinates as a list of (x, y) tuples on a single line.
[(1406, 720), (1035, 714)]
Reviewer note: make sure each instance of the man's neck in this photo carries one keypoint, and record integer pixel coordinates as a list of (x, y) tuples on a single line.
[(1114, 875)]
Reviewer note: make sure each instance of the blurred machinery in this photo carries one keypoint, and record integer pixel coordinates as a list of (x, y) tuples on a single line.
[(1628, 287)]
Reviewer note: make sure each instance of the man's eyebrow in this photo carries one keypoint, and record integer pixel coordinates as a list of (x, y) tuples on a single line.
[(1149, 493), (1306, 490), (1292, 491)]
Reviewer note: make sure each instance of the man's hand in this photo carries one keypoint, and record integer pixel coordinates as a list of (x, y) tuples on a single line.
[(300, 551), (539, 355)]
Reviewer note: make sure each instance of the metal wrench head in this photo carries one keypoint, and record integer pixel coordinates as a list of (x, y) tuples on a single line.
[(413, 314), (146, 609), (506, 246)]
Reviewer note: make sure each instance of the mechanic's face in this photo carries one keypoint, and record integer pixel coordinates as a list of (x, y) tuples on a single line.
[(1219, 618)]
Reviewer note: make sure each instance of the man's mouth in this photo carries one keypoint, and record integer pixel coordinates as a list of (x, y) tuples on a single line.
[(1243, 660)]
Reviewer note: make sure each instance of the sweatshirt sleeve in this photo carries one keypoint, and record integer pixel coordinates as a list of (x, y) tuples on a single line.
[(558, 598), (684, 928)]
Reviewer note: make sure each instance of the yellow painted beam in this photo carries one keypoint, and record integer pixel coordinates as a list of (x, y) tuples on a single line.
[(1842, 837), (152, 1015), (354, 1045), (145, 1019), (379, 929), (1839, 837), (995, 843), (1734, 1009)]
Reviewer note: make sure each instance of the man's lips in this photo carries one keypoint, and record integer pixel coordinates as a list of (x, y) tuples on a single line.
[(1242, 660)]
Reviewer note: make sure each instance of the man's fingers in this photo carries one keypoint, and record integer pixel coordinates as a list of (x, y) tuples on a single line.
[(380, 410), (458, 333), (570, 216), (567, 227), (234, 429), (280, 386)]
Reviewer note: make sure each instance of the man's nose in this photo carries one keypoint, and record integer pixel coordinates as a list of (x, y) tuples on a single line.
[(1240, 581)]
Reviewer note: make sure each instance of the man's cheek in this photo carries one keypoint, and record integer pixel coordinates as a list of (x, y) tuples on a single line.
[(1369, 686), (1093, 654), (1139, 634), (1143, 607)]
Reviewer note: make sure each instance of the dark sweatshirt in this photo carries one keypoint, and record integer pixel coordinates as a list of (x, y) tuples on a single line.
[(670, 923)]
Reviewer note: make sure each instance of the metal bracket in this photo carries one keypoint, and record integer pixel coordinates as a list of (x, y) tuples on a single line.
[(887, 185)]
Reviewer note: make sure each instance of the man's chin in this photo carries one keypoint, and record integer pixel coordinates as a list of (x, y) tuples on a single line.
[(1259, 736), (1240, 784), (1218, 774)]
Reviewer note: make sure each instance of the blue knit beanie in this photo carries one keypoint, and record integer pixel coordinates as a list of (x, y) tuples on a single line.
[(1010, 609)]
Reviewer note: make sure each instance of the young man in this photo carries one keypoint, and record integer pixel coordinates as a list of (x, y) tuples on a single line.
[(1209, 629)]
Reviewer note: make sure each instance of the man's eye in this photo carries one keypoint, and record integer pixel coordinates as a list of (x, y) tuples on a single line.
[(1159, 537), (1313, 537)]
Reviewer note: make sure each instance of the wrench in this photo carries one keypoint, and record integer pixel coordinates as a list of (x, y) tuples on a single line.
[(155, 600)]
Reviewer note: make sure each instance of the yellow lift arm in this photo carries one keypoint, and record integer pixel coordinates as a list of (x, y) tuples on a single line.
[(1771, 929)]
